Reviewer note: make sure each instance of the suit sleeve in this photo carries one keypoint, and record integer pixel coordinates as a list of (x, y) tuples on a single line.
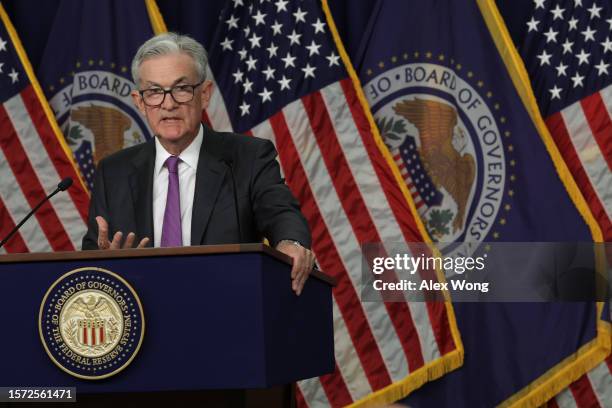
[(276, 211), (97, 206)]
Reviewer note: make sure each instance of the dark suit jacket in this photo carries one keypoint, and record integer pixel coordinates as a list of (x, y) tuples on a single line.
[(123, 194)]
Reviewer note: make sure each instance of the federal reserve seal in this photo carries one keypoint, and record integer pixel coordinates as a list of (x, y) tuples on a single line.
[(451, 143), (91, 323), (96, 114)]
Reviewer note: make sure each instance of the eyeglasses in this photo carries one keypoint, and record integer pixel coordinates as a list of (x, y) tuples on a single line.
[(155, 97)]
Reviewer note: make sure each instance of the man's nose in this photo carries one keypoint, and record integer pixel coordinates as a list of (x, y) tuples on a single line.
[(169, 103)]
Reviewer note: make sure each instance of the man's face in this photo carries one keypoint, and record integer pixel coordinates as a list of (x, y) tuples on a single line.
[(173, 122)]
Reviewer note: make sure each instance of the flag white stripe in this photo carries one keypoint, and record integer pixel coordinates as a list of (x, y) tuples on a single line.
[(45, 170), (351, 370), (380, 211), (216, 111), (589, 154), (601, 381), (340, 230), (18, 207), (264, 131), (606, 97), (566, 399), (313, 393)]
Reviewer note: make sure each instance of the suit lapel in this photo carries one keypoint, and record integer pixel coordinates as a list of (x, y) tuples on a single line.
[(141, 183), (209, 179)]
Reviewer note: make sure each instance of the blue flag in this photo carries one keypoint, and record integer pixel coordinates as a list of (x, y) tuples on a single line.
[(85, 74), (450, 110)]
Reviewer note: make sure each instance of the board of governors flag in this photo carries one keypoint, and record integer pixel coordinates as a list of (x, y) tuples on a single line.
[(567, 50), (85, 73), (33, 159), (443, 84), (283, 75)]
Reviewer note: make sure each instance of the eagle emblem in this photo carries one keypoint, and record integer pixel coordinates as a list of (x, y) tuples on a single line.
[(91, 323), (107, 125), (448, 168)]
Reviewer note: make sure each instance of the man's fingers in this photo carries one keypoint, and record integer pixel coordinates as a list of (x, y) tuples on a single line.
[(103, 242), (129, 240), (301, 282), (295, 268), (116, 243), (304, 278), (303, 260), (102, 233), (296, 272), (102, 225), (143, 242), (303, 264)]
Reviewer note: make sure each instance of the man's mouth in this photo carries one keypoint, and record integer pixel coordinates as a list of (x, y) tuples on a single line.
[(170, 120)]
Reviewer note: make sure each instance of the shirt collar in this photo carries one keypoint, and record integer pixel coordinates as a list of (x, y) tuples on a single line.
[(189, 156)]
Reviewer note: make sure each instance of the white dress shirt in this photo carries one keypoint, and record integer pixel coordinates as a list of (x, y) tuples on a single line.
[(187, 176)]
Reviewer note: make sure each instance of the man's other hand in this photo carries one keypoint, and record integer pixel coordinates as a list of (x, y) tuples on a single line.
[(303, 261), (104, 243)]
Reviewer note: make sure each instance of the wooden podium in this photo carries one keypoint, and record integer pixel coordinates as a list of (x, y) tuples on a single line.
[(218, 320)]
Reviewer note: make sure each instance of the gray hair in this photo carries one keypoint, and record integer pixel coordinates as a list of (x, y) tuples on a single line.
[(170, 43)]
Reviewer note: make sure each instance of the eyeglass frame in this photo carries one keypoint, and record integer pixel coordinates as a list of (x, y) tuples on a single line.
[(169, 91)]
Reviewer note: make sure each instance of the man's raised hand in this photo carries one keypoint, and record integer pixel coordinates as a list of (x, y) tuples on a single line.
[(104, 243)]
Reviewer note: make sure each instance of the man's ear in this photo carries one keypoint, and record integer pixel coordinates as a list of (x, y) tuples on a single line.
[(138, 101), (207, 90)]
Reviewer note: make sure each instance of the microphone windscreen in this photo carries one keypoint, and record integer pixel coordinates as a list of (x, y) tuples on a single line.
[(64, 184)]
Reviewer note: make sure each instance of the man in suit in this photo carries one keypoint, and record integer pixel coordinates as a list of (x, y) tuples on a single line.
[(181, 188)]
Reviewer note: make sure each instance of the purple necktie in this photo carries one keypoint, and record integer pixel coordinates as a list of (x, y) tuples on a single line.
[(172, 233)]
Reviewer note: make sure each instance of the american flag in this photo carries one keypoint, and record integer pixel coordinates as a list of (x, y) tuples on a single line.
[(33, 160), (592, 390), (567, 50), (568, 54), (422, 189), (282, 77)]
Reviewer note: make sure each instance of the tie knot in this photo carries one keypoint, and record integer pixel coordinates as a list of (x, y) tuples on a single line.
[(172, 164)]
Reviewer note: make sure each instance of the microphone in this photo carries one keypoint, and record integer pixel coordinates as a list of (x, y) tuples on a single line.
[(228, 162), (62, 186)]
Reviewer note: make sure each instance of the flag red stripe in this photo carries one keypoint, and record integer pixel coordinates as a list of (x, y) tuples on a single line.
[(438, 316), (30, 185), (335, 388), (553, 404), (206, 119), (358, 215), (300, 401), (609, 363), (16, 243), (394, 196), (348, 302), (583, 393), (599, 121), (54, 150), (560, 134)]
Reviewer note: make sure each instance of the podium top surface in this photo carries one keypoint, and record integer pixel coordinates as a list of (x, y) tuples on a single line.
[(159, 252)]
